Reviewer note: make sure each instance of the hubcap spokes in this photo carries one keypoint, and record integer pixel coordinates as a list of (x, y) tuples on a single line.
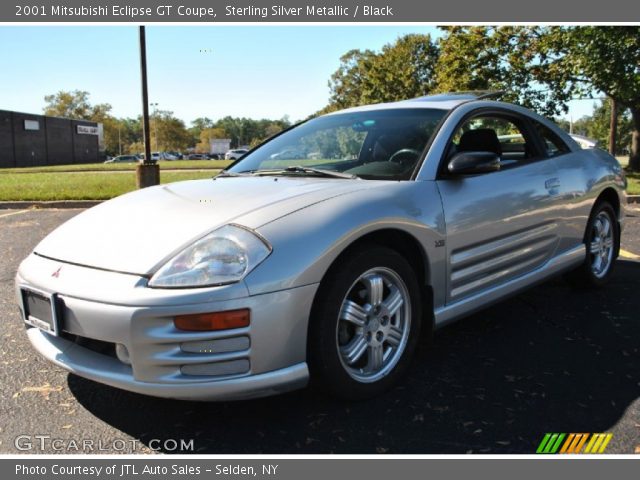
[(601, 245), (374, 325)]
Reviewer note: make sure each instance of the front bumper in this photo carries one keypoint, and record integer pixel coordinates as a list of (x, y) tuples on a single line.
[(266, 358), (87, 364)]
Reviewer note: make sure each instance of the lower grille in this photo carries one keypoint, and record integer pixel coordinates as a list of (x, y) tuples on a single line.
[(98, 346), (233, 367)]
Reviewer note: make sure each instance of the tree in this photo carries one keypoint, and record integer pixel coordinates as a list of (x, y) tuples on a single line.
[(247, 131), (607, 59), (597, 125), (75, 105), (198, 125), (169, 133), (401, 70), (206, 135), (498, 58), (544, 67)]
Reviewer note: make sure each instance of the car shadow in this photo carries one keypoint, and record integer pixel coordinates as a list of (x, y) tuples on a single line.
[(553, 359)]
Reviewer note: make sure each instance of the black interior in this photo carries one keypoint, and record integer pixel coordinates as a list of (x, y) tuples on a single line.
[(480, 140)]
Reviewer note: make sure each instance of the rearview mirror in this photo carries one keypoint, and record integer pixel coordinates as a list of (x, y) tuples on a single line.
[(469, 163)]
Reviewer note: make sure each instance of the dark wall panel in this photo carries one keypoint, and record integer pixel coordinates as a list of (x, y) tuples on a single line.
[(85, 146), (28, 140), (30, 145), (6, 140), (59, 141)]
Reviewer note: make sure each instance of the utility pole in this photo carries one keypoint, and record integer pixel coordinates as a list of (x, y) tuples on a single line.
[(613, 127), (571, 124), (147, 172)]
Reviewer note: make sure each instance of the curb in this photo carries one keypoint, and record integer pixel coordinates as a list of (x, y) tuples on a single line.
[(24, 205)]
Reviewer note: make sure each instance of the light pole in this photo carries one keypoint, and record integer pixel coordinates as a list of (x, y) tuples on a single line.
[(147, 173), (155, 122)]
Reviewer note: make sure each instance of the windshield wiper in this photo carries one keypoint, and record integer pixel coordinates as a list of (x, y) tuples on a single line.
[(291, 169), (227, 173), (301, 169)]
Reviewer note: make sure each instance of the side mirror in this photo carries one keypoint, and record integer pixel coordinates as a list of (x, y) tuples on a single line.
[(470, 163)]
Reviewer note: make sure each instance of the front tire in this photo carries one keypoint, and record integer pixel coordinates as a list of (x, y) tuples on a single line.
[(365, 323), (602, 241)]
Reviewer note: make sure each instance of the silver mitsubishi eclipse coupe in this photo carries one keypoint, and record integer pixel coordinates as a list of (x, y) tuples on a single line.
[(321, 254)]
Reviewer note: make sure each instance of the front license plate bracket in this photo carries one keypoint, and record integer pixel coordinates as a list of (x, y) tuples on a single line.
[(39, 309)]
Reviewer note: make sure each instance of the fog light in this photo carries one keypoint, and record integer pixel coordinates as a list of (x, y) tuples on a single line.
[(123, 354), (213, 321)]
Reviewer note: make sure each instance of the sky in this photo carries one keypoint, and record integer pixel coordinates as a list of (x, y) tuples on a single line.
[(194, 71)]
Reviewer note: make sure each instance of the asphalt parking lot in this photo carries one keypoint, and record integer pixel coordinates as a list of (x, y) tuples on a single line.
[(550, 360)]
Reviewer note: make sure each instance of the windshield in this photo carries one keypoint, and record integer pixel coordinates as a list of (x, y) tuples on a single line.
[(382, 144)]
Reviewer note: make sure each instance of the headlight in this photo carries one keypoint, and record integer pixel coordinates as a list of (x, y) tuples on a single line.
[(224, 256)]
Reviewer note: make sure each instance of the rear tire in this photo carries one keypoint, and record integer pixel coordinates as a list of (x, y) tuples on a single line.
[(602, 241), (365, 323)]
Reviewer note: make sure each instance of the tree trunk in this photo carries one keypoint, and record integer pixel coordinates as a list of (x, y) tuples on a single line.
[(634, 157), (613, 127)]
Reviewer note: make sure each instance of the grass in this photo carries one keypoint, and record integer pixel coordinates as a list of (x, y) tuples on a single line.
[(633, 183), (86, 167), (80, 185)]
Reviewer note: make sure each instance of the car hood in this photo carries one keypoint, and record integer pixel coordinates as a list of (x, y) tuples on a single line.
[(137, 232)]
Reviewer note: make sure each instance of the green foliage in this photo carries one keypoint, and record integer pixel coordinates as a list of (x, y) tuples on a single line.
[(498, 58), (544, 67), (245, 131), (604, 58), (596, 126), (207, 134), (75, 105), (401, 70), (168, 133)]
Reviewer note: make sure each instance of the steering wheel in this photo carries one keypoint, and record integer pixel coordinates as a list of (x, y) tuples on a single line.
[(411, 155)]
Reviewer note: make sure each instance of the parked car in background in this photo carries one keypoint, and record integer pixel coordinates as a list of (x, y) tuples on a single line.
[(584, 142), (167, 156), (123, 159), (235, 154), (254, 282), (198, 156), (175, 155), (289, 154), (155, 156)]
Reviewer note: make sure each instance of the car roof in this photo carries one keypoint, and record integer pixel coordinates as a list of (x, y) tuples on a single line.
[(441, 101)]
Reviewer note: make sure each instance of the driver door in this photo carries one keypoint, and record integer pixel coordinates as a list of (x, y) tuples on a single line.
[(501, 224)]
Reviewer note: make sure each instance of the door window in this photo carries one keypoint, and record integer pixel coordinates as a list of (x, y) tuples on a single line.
[(499, 135)]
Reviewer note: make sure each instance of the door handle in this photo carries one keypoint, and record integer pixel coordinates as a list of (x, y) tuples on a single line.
[(552, 183)]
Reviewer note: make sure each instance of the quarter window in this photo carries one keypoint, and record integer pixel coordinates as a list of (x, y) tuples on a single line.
[(553, 144)]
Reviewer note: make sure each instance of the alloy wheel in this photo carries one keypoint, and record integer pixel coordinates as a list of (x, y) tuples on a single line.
[(601, 245), (373, 325)]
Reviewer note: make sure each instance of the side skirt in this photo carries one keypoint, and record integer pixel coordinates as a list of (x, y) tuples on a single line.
[(559, 264)]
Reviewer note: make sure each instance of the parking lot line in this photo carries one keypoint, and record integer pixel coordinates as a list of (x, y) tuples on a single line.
[(13, 213), (629, 255)]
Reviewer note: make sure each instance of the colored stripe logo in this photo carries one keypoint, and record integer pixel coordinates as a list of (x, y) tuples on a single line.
[(574, 443)]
